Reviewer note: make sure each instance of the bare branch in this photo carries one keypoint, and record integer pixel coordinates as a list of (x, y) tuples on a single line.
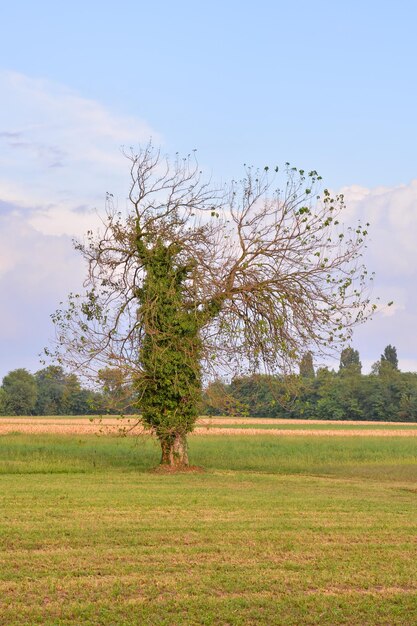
[(250, 276)]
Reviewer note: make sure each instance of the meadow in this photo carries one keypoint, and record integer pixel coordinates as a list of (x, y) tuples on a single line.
[(275, 530)]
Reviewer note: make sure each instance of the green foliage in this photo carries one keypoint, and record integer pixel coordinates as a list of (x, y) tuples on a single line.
[(3, 397), (51, 391), (57, 392), (60, 393), (390, 356), (259, 395), (385, 395), (408, 398), (350, 361), (118, 396), (217, 400), (170, 389), (262, 395), (20, 392), (51, 384), (307, 366)]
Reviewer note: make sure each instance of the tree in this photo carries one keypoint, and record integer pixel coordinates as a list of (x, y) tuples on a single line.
[(60, 393), (117, 392), (193, 279), (307, 366), (350, 361), (408, 401), (219, 399), (387, 364), (75, 400), (390, 356), (20, 392), (51, 385), (3, 398)]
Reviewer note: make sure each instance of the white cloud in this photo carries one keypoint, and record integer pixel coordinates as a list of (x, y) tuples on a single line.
[(36, 272), (392, 254), (59, 155), (59, 150), (392, 213)]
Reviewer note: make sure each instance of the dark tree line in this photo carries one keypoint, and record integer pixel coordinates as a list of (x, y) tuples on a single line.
[(51, 391), (384, 395)]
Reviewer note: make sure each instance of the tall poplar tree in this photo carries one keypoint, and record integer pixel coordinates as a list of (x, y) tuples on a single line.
[(390, 356)]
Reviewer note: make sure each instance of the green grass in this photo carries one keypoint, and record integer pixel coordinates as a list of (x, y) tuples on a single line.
[(295, 530)]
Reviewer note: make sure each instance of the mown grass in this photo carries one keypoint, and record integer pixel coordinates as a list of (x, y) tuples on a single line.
[(276, 531)]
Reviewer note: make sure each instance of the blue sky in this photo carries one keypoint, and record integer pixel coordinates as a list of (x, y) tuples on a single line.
[(325, 85)]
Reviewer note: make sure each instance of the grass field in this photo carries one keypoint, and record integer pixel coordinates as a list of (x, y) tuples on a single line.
[(277, 530)]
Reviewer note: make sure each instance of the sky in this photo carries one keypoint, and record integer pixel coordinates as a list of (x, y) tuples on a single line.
[(325, 85)]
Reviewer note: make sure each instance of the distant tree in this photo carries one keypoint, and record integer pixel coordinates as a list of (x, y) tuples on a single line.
[(307, 366), (217, 399), (408, 400), (350, 361), (82, 402), (256, 394), (74, 397), (387, 364), (265, 395), (390, 356), (388, 396), (20, 391), (118, 396), (3, 397), (220, 399), (193, 278), (339, 395), (60, 393), (375, 368), (51, 385)]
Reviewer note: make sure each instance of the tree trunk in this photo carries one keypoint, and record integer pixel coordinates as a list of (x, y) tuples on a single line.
[(174, 451)]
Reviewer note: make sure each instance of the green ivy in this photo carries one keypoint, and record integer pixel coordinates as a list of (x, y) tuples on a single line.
[(170, 386)]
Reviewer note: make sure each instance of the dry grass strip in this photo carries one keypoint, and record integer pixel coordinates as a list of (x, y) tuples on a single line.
[(112, 426), (306, 432), (272, 420)]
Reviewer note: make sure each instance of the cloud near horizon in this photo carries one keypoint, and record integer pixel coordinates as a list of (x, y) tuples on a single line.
[(59, 154), (37, 271), (392, 254)]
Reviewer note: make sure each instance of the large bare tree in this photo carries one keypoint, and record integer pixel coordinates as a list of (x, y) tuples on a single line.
[(190, 278)]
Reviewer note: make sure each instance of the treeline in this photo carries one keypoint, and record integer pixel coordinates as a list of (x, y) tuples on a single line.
[(51, 391), (387, 394), (384, 395)]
